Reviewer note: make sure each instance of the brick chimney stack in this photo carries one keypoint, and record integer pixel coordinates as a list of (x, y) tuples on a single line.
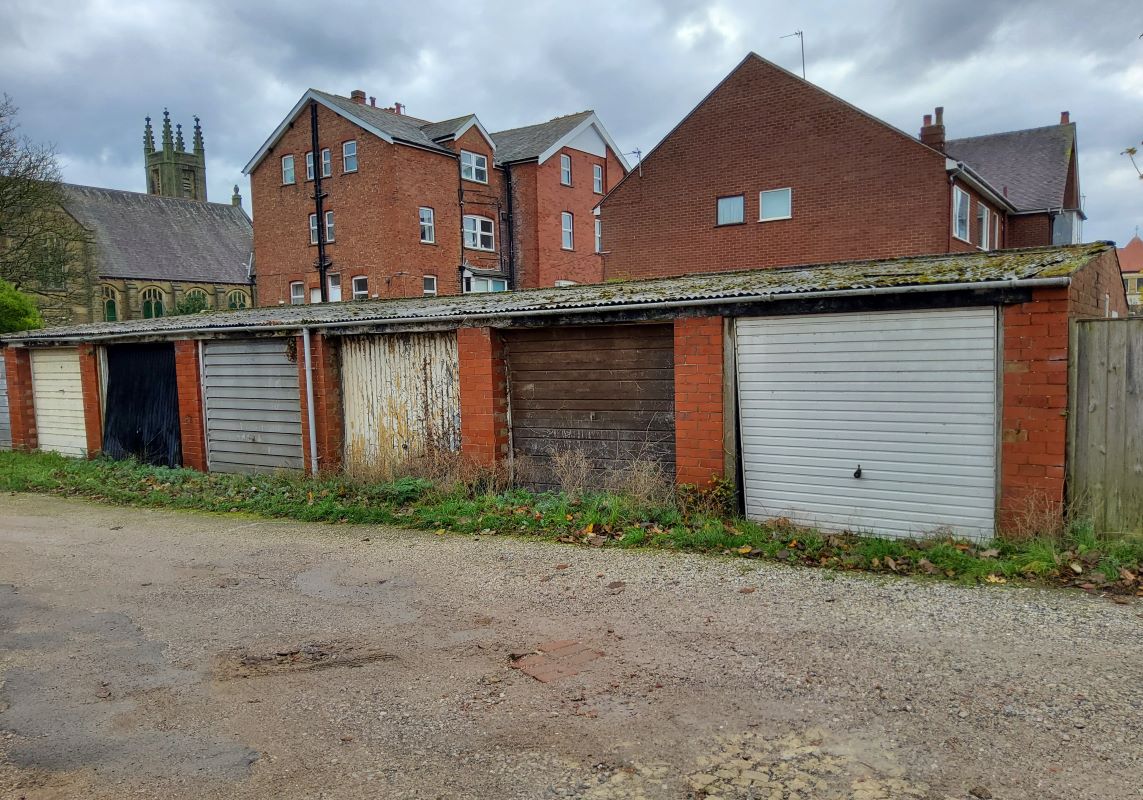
[(357, 96), (933, 130), (1065, 118)]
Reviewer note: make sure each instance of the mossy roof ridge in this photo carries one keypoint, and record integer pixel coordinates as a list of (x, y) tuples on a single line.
[(763, 284)]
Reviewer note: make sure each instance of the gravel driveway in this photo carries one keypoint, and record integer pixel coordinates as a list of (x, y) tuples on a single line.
[(167, 655)]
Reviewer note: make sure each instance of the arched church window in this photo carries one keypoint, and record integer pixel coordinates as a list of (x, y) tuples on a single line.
[(152, 302), (110, 304)]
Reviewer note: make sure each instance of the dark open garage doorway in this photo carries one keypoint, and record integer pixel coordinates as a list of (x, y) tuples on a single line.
[(142, 405)]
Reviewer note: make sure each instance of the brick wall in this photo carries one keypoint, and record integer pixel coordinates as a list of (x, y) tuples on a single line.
[(483, 396), (21, 403), (92, 405), (188, 381), (1098, 288), (698, 400), (861, 190), (1029, 230), (328, 414)]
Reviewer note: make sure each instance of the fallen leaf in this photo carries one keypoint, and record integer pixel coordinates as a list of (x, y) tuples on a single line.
[(990, 553), (1076, 567), (889, 562), (439, 531), (746, 590), (1128, 576), (995, 579), (745, 550), (927, 566), (561, 566)]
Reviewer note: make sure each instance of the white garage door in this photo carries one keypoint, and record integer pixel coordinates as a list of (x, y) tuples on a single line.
[(58, 398), (253, 411), (908, 398), (5, 420)]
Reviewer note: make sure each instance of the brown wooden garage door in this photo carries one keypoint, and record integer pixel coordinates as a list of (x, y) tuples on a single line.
[(606, 391)]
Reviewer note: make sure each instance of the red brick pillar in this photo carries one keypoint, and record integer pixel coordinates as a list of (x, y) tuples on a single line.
[(483, 396), (21, 405), (1034, 417), (92, 405), (698, 400), (192, 424), (328, 422)]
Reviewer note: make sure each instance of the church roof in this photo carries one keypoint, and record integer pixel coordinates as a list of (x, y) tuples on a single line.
[(148, 237)]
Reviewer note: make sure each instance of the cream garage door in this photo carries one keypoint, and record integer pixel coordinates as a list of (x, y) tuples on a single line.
[(58, 398), (881, 423)]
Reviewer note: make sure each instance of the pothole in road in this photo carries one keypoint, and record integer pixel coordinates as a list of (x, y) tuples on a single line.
[(242, 663)]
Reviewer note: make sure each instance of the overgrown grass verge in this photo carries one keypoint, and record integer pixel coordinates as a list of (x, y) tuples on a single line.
[(1078, 558)]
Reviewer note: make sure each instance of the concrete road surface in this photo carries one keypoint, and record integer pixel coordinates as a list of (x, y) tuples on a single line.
[(150, 654)]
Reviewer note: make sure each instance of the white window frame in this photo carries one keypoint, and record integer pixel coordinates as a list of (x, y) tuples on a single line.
[(313, 229), (310, 166), (326, 163), (472, 165), (717, 208), (474, 239), (329, 226), (567, 230), (563, 284), (565, 169), (761, 198), (288, 172), (597, 178), (985, 226), (430, 226), (426, 282), (599, 236), (333, 286), (958, 195), (297, 293), (361, 293), (995, 231), (348, 154), (487, 284)]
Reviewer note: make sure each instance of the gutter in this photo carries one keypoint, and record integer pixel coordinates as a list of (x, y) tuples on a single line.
[(464, 320)]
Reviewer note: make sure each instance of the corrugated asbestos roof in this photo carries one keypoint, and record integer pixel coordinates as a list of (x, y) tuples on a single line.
[(520, 144), (145, 236), (760, 284), (1031, 165)]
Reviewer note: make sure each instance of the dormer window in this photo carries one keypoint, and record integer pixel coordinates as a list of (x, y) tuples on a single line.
[(473, 167)]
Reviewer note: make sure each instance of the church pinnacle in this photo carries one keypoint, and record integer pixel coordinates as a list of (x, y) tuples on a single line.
[(172, 171)]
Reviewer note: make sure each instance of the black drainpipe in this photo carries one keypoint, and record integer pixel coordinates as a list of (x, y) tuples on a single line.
[(511, 229), (319, 203)]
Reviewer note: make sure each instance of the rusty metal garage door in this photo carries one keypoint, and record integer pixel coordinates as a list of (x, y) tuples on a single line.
[(401, 394), (607, 391)]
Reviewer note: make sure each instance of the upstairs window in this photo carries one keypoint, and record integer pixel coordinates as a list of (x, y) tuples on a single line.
[(567, 238), (349, 156), (237, 299), (309, 166), (428, 226), (329, 226), (961, 202), (360, 287), (599, 236), (473, 167), (775, 204), (152, 303), (287, 169), (478, 233), (326, 163), (297, 293), (982, 227), (430, 284), (731, 210), (565, 169), (313, 229), (597, 178)]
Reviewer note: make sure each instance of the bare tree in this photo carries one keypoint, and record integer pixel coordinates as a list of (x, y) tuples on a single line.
[(41, 246), (1131, 152)]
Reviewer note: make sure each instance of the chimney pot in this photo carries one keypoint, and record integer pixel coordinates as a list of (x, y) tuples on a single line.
[(357, 96), (399, 108), (940, 115), (928, 120), (373, 101), (1065, 117)]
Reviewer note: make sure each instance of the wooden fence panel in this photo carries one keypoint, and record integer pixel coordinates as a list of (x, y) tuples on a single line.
[(1105, 465)]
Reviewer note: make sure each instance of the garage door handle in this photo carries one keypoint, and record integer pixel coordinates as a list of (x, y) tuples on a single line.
[(857, 472)]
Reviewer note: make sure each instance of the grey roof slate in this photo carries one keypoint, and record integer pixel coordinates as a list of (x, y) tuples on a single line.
[(757, 285), (448, 127), (399, 126), (521, 144), (1031, 164), (146, 236)]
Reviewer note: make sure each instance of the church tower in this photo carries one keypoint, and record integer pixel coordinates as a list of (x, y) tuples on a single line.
[(171, 170)]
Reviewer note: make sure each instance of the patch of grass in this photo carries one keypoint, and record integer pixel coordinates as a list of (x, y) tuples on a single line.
[(1077, 556)]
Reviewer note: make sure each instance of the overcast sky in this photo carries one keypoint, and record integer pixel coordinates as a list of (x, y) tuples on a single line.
[(85, 72)]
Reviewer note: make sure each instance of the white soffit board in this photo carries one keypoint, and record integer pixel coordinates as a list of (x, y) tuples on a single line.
[(908, 396)]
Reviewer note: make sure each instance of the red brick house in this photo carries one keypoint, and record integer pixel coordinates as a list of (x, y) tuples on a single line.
[(1131, 263), (413, 207), (769, 170)]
